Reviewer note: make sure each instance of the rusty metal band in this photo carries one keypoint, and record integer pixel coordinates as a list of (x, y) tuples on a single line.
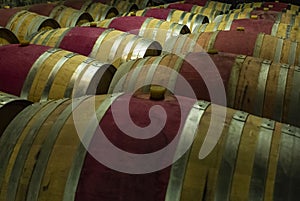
[(294, 105), (187, 137), (128, 47), (144, 26), (79, 70), (33, 71), (120, 77), (53, 74), (228, 25), (175, 72), (156, 28), (292, 53), (275, 29), (12, 133), (75, 170), (98, 42), (25, 148), (170, 15), (181, 18), (114, 48), (234, 79), (280, 92), (288, 165), (212, 40), (46, 150), (258, 45), (261, 161), (228, 162), (12, 18), (150, 74), (261, 88), (278, 50), (136, 72)]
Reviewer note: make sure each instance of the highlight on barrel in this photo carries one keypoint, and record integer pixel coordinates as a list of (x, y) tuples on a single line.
[(65, 16), (23, 23), (51, 163), (10, 106), (258, 86), (240, 42), (7, 37), (150, 28), (181, 17), (255, 26), (107, 45), (50, 73)]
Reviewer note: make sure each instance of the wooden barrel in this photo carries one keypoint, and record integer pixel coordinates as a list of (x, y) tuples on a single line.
[(181, 17), (7, 37), (258, 86), (101, 11), (25, 23), (65, 16), (219, 6), (276, 6), (254, 26), (10, 106), (43, 159), (269, 15), (103, 44), (98, 11), (202, 10), (240, 42), (125, 6), (51, 73), (150, 28), (6, 14)]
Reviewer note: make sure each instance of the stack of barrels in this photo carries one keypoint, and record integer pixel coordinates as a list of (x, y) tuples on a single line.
[(150, 100)]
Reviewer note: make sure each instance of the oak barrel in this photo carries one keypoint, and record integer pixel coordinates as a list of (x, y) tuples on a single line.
[(151, 28), (249, 160), (258, 86), (39, 73), (24, 23), (98, 11), (103, 44), (65, 16), (189, 19), (240, 42), (255, 26)]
